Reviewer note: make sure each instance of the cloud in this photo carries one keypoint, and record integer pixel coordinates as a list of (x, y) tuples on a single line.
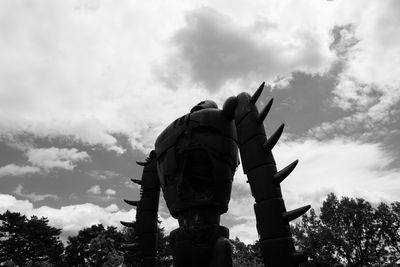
[(87, 83), (98, 194), (212, 49), (15, 170), (103, 175), (49, 158), (368, 84), (70, 218), (343, 167), (110, 192), (375, 58), (348, 168), (32, 196), (95, 190), (73, 218)]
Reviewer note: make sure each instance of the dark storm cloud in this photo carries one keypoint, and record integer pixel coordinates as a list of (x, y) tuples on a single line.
[(211, 49)]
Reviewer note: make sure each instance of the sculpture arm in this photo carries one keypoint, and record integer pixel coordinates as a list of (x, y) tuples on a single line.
[(145, 227), (277, 247)]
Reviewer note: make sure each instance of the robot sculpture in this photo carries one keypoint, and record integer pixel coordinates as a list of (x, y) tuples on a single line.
[(194, 161)]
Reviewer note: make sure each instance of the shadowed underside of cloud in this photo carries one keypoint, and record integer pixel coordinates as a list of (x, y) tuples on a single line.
[(211, 49)]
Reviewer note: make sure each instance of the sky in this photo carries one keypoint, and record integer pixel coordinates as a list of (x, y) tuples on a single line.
[(86, 87)]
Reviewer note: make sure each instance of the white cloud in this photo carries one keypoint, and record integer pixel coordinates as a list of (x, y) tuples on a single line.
[(88, 71), (33, 196), (15, 170), (49, 158), (110, 192), (95, 190), (46, 159), (375, 59), (70, 218), (346, 168), (338, 166), (168, 223), (73, 218), (8, 202)]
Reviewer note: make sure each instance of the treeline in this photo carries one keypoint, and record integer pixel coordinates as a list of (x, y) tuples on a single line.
[(350, 232), (32, 242), (346, 232)]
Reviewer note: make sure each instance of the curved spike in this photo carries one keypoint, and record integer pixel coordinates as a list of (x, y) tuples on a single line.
[(271, 142), (299, 257), (132, 202), (128, 224), (282, 174), (228, 109), (141, 163), (136, 181), (263, 114), (294, 214), (257, 94)]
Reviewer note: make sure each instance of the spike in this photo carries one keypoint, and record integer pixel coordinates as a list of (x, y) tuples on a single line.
[(257, 94), (229, 107), (299, 257), (128, 224), (271, 142), (282, 174), (263, 114), (132, 202), (137, 181), (141, 163), (294, 214)]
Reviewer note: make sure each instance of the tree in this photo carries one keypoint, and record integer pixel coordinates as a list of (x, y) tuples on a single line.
[(349, 232), (94, 246), (245, 255), (389, 229), (29, 241)]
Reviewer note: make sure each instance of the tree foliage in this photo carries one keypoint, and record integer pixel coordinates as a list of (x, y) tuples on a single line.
[(94, 246), (29, 242), (245, 255), (350, 232), (346, 232)]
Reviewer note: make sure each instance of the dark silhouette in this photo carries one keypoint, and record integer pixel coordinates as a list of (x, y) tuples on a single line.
[(94, 246), (350, 232), (29, 242), (194, 161)]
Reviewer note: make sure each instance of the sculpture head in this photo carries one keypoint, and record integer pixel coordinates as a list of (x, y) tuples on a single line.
[(197, 157)]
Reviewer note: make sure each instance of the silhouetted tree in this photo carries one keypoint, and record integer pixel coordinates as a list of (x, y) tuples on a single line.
[(29, 242), (349, 232), (389, 219), (94, 246), (245, 255)]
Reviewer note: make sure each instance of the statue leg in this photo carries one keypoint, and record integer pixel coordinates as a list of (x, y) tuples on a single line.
[(207, 246), (222, 253)]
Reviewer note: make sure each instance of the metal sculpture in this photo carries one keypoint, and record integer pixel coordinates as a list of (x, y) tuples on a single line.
[(194, 161)]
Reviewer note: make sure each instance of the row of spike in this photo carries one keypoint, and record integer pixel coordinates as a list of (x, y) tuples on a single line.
[(131, 246), (269, 145), (134, 203), (277, 178)]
